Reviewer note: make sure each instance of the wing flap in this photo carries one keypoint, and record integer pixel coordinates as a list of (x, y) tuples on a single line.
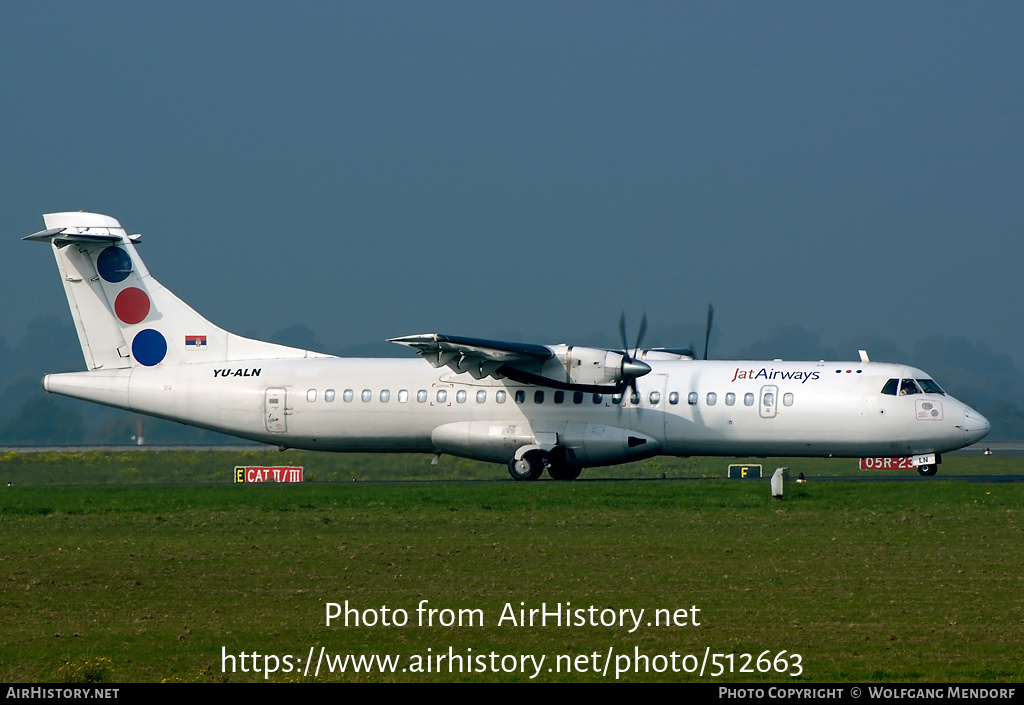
[(479, 357), (443, 349)]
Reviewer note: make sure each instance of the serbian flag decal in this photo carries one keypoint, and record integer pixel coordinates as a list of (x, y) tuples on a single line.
[(195, 342)]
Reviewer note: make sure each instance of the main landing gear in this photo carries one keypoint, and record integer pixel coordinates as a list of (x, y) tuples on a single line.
[(531, 466)]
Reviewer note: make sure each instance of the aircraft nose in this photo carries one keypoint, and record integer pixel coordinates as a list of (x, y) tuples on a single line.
[(976, 426)]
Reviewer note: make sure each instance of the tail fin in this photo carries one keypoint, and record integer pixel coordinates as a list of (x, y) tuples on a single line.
[(126, 318)]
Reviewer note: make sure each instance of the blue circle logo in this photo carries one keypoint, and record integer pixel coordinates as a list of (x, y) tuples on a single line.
[(114, 264), (149, 347)]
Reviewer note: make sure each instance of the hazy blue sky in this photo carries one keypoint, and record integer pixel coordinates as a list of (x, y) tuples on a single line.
[(376, 169)]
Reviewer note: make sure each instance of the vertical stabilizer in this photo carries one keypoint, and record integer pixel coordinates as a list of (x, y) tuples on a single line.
[(126, 318)]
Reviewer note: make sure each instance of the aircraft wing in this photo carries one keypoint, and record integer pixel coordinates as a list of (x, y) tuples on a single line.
[(561, 366), (481, 358)]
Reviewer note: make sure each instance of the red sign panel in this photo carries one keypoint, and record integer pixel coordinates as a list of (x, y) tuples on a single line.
[(253, 473), (887, 464)]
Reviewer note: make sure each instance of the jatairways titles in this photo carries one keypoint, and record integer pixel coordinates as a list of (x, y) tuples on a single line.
[(765, 373), (558, 408)]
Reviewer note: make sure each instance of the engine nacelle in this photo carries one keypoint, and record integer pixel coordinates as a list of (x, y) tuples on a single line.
[(576, 365)]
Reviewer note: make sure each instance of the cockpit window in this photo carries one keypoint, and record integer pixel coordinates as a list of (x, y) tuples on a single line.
[(891, 387), (930, 387), (909, 386)]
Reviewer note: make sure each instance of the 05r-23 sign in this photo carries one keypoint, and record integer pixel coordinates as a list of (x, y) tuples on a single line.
[(253, 473), (887, 464)]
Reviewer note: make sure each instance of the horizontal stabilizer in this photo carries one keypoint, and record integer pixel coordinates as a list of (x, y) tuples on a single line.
[(57, 236)]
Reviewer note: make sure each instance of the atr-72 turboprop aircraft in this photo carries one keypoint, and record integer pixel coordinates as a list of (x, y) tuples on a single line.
[(532, 407)]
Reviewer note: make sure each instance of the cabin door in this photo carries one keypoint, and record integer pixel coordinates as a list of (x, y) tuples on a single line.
[(274, 410), (769, 401)]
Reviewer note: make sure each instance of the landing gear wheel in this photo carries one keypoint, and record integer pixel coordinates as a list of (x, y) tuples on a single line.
[(927, 470), (564, 472), (559, 467), (529, 467)]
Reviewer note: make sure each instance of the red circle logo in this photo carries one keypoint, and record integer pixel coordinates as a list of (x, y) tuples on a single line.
[(131, 305)]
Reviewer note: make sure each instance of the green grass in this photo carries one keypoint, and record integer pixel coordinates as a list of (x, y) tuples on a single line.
[(131, 467), (920, 581)]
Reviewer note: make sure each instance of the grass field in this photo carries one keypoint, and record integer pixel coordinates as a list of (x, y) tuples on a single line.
[(916, 581), (160, 467)]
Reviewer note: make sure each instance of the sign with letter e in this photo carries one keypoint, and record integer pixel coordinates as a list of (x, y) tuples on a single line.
[(252, 473), (738, 471)]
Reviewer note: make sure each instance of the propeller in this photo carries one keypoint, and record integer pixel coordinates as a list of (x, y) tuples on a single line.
[(631, 367), (707, 335), (707, 329)]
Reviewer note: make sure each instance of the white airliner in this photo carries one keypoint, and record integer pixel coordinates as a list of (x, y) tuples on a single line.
[(532, 407)]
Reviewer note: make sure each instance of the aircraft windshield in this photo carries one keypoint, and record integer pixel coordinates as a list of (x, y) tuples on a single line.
[(909, 386), (904, 387)]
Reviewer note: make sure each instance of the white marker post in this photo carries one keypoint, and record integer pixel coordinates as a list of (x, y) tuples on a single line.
[(777, 482)]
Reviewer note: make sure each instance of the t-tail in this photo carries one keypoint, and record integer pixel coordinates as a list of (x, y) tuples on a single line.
[(125, 318)]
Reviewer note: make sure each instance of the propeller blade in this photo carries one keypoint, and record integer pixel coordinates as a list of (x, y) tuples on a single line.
[(707, 329), (631, 367), (640, 335)]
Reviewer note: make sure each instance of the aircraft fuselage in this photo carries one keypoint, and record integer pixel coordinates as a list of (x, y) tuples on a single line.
[(685, 407)]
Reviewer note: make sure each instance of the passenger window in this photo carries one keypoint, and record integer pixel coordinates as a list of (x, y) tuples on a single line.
[(769, 399), (712, 398), (577, 397), (559, 396), (616, 399), (520, 396), (654, 398), (748, 399), (673, 398), (367, 395), (691, 398), (403, 396), (499, 396), (311, 395), (442, 396), (385, 395), (481, 396), (634, 398), (730, 399), (598, 398), (329, 395), (348, 395), (421, 396), (891, 387), (460, 396), (538, 397)]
